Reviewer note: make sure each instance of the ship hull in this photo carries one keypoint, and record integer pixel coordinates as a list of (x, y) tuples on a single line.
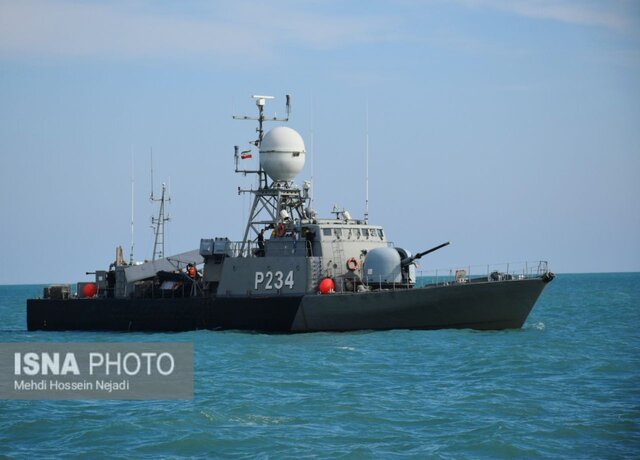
[(476, 305)]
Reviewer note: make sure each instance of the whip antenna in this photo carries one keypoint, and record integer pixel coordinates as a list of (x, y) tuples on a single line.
[(366, 175), (132, 204), (151, 149), (313, 155)]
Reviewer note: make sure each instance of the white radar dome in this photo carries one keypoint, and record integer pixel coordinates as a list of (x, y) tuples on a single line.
[(282, 153)]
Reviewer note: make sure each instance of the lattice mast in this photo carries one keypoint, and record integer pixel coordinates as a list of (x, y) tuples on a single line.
[(281, 151), (157, 223)]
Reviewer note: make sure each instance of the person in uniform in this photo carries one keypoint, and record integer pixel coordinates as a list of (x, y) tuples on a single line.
[(261, 239), (260, 251)]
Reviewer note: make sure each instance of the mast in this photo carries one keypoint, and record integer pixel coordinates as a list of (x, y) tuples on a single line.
[(132, 196), (313, 153), (366, 175), (277, 203), (261, 119), (158, 223)]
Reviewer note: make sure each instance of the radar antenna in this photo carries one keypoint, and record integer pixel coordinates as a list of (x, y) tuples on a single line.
[(261, 102)]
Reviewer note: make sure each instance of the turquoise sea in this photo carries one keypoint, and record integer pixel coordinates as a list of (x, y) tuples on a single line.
[(567, 385)]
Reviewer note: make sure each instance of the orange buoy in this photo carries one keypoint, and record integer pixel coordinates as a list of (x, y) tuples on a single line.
[(89, 290), (327, 286)]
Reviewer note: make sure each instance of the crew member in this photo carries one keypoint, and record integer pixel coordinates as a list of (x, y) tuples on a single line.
[(261, 239), (191, 271)]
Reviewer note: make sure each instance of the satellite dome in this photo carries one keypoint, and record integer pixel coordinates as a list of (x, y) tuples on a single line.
[(282, 153)]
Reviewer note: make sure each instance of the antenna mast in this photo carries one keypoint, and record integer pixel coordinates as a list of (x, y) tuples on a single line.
[(260, 103), (278, 203), (158, 223), (366, 178), (132, 202), (313, 154), (151, 152)]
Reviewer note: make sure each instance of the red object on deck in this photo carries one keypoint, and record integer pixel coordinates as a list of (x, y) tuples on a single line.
[(90, 290), (327, 285)]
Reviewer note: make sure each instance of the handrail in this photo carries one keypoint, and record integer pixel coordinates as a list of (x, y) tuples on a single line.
[(506, 271)]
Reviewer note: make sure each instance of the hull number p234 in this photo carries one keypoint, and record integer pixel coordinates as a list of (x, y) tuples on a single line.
[(273, 280)]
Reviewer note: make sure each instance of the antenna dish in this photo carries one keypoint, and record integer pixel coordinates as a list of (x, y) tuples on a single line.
[(282, 154)]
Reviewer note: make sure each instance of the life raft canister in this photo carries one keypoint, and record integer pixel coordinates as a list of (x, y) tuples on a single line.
[(352, 264)]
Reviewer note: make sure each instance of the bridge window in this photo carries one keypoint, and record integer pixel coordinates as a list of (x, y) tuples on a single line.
[(326, 232)]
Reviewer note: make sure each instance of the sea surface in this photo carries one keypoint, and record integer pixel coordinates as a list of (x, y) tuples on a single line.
[(567, 385)]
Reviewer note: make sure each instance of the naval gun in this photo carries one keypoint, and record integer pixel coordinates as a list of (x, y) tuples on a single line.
[(409, 260), (388, 267)]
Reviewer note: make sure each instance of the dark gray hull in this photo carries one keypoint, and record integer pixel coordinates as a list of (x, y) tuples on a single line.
[(476, 305)]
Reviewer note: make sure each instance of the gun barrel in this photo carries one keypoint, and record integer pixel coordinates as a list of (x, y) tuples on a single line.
[(429, 251)]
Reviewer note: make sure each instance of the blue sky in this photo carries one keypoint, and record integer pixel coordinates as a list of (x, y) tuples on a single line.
[(511, 128)]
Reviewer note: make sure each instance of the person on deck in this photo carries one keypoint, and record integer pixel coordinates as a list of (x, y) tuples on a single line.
[(191, 271), (261, 240)]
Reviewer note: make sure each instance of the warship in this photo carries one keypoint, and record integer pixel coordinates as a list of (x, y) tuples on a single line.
[(292, 271)]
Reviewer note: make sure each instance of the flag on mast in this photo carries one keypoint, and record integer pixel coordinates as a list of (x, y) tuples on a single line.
[(245, 154)]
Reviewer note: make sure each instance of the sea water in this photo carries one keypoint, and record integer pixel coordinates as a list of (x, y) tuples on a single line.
[(566, 385)]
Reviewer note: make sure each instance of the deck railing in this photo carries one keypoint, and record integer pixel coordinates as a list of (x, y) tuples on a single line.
[(506, 271)]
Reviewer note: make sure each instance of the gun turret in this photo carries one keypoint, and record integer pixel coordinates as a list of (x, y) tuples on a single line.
[(409, 260)]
